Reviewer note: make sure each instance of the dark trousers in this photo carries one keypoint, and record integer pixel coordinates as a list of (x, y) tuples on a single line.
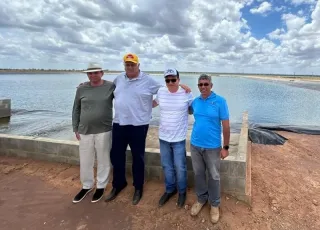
[(135, 137)]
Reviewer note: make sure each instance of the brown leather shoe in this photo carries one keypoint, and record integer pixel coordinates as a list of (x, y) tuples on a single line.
[(214, 214), (196, 208)]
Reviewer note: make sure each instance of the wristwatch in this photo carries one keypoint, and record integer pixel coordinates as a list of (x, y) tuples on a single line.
[(226, 147)]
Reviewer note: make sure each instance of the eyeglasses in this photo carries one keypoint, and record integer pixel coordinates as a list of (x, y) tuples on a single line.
[(203, 84), (172, 80)]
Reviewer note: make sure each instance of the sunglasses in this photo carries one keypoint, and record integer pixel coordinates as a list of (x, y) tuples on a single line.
[(172, 80), (203, 84)]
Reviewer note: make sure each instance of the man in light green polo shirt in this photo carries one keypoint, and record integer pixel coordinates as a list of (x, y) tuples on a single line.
[(92, 124)]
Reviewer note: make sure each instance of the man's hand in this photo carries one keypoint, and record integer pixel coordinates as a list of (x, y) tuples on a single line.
[(154, 104), (78, 136), (186, 88), (82, 83), (224, 153)]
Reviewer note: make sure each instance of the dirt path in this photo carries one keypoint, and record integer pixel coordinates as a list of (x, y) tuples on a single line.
[(285, 195)]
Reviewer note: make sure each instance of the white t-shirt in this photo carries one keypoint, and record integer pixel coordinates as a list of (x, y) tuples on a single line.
[(173, 114)]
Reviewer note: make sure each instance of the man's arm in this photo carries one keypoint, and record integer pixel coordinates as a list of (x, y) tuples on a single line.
[(76, 114), (226, 132), (190, 101), (155, 101), (226, 138), (154, 104), (224, 116), (185, 87), (154, 86)]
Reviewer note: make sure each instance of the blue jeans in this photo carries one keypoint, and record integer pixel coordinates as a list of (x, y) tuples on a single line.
[(174, 164), (206, 160)]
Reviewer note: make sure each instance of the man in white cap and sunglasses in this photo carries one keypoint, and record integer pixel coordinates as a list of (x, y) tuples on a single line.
[(92, 123), (173, 102)]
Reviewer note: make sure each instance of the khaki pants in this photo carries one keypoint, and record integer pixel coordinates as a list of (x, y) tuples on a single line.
[(89, 146)]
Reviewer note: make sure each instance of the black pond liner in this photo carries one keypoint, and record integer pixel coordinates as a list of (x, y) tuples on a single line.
[(265, 134)]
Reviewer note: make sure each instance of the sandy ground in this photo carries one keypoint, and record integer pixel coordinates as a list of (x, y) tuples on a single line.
[(285, 195), (312, 83), (283, 78)]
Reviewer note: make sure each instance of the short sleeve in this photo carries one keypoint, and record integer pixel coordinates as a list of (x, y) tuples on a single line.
[(154, 86), (115, 81), (190, 99), (224, 111)]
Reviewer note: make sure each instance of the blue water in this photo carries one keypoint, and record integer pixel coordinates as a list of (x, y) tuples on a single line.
[(42, 103)]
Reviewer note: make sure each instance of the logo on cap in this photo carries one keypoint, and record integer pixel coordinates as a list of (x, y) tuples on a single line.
[(170, 71)]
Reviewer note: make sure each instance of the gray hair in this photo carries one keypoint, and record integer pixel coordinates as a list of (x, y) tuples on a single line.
[(205, 77)]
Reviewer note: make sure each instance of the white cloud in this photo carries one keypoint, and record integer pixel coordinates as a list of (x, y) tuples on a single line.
[(299, 2), (262, 9), (300, 41), (280, 9), (191, 35), (293, 22)]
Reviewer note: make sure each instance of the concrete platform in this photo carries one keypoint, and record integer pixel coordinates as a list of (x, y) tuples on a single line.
[(5, 108), (235, 169)]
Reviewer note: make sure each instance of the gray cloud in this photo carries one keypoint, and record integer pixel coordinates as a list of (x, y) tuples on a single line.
[(201, 34)]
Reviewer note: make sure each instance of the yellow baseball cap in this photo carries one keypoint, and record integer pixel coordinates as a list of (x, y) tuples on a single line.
[(130, 57)]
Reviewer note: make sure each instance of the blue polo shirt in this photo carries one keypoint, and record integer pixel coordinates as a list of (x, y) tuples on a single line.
[(208, 114)]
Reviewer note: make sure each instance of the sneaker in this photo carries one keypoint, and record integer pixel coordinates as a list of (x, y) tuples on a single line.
[(214, 214), (196, 208), (181, 199), (82, 194), (97, 195)]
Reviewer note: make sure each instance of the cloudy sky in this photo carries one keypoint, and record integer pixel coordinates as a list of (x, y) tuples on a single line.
[(274, 36)]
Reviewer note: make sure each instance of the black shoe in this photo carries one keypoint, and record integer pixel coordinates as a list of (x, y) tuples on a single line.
[(181, 199), (82, 194), (137, 196), (165, 197), (114, 193), (97, 195)]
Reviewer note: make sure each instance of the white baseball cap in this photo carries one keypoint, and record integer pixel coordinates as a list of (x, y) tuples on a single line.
[(172, 72)]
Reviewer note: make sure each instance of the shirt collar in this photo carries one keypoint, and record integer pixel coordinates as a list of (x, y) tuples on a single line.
[(136, 78), (211, 96)]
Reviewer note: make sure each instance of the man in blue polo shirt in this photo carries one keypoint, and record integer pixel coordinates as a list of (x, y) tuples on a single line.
[(210, 113)]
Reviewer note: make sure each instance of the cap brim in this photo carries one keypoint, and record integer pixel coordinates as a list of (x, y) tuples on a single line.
[(130, 60), (170, 75), (91, 70)]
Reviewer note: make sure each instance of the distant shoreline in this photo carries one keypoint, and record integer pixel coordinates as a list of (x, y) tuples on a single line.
[(280, 77)]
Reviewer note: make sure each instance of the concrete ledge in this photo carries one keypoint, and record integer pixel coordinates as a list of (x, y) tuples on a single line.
[(236, 180), (235, 170), (5, 108)]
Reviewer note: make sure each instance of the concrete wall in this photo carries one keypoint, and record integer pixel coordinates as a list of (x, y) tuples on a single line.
[(5, 108), (235, 171)]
